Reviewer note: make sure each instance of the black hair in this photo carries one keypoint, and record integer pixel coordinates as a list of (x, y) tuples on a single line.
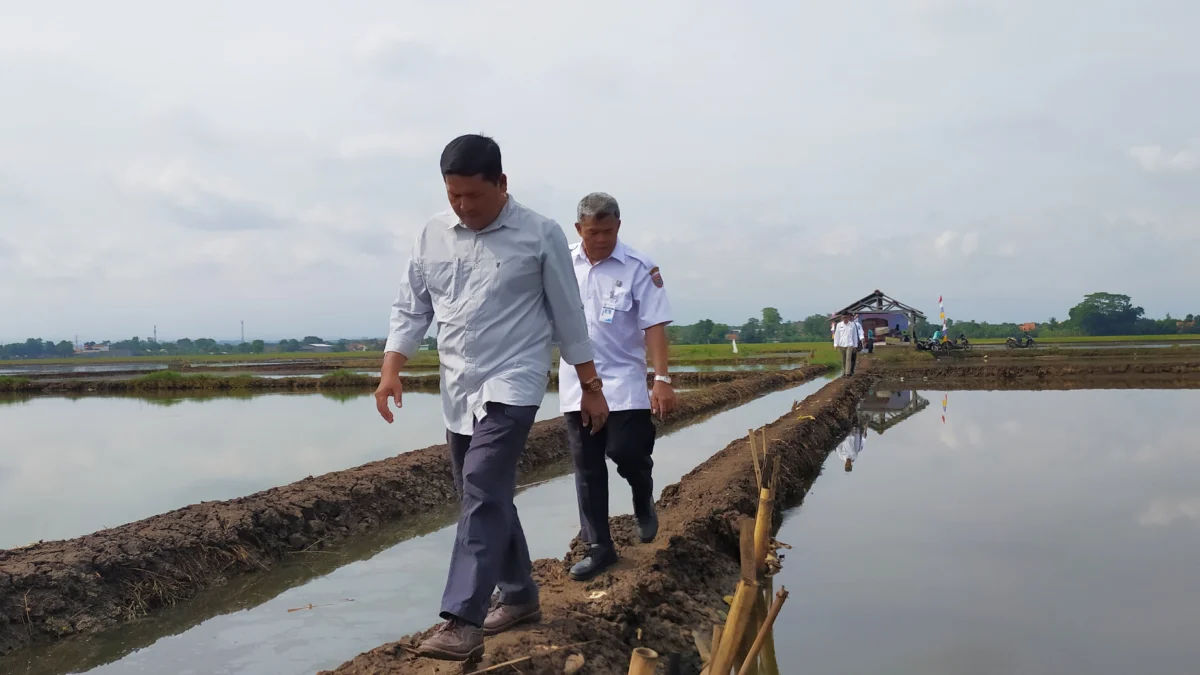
[(472, 155)]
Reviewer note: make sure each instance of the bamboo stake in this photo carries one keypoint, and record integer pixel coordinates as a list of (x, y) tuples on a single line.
[(643, 661), (718, 630), (744, 659), (767, 664), (764, 630), (742, 608), (754, 456), (762, 531)]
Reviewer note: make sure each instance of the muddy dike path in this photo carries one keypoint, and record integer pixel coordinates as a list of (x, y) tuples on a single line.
[(82, 585), (1164, 369), (658, 593)]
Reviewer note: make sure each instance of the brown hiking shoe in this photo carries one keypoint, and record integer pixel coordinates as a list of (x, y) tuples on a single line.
[(505, 617), (454, 641)]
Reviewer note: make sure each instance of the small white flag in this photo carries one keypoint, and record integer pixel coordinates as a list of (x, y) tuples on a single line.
[(735, 346)]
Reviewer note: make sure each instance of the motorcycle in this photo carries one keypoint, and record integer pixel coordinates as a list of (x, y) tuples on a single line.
[(1025, 342)]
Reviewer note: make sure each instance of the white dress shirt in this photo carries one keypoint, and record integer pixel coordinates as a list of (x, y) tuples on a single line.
[(621, 299), (846, 335), (494, 293)]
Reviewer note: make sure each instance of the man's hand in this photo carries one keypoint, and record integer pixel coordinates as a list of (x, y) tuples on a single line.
[(593, 410), (662, 399), (389, 387)]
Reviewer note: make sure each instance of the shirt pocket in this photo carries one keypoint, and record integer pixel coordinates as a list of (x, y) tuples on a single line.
[(619, 299), (441, 280), (513, 277)]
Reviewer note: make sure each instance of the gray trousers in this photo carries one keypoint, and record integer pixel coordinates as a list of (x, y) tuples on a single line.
[(849, 359), (490, 549)]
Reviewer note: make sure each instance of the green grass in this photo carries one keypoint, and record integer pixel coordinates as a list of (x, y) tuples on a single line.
[(346, 378), (9, 383)]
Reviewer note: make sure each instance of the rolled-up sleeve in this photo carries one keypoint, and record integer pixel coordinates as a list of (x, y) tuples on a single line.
[(653, 308), (562, 299), (412, 313)]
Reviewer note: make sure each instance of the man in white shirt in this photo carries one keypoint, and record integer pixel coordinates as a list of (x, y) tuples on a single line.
[(627, 313), (846, 340), (498, 279)]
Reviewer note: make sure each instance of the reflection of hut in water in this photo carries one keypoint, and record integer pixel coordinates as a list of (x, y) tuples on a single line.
[(881, 409)]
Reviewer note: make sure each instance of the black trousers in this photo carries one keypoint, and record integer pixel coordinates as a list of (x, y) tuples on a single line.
[(628, 440)]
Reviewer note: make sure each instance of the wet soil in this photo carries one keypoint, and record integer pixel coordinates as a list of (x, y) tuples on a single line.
[(658, 593), (55, 589), (1035, 373)]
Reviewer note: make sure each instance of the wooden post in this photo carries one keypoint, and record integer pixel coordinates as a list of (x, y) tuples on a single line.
[(742, 608), (643, 661)]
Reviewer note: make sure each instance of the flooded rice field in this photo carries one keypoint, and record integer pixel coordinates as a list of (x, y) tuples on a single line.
[(99, 462), (377, 588), (1028, 532)]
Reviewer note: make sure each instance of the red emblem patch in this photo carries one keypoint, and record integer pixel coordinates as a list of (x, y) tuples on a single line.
[(656, 277)]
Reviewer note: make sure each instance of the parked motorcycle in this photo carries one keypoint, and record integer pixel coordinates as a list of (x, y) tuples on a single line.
[(1024, 342)]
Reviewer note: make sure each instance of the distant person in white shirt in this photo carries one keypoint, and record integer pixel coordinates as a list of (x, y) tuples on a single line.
[(853, 444), (846, 340), (627, 314)]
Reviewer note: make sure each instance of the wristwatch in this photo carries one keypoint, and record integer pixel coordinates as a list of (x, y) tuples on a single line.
[(593, 385), (665, 379)]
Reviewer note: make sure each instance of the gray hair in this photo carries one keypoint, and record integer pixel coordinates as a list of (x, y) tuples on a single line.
[(598, 205)]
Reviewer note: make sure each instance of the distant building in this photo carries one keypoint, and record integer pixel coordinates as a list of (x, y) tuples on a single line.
[(356, 347), (316, 347), (734, 334), (885, 316), (1027, 326)]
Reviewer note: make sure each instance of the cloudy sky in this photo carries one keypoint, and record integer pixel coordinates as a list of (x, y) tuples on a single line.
[(190, 165)]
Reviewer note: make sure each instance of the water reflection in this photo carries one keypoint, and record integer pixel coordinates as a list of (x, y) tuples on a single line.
[(1032, 532), (395, 580), (70, 466)]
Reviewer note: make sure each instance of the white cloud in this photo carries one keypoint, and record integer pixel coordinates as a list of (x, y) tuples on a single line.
[(1165, 511), (285, 155), (1155, 159)]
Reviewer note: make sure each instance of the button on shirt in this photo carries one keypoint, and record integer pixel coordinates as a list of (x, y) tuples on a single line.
[(846, 335), (494, 294), (621, 300)]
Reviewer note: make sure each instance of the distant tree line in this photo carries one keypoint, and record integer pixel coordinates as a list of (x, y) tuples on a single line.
[(772, 327), (1099, 314), (35, 348)]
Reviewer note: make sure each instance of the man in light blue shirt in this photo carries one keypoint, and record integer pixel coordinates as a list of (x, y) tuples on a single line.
[(499, 280)]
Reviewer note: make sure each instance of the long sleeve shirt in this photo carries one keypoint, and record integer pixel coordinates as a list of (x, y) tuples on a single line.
[(498, 295)]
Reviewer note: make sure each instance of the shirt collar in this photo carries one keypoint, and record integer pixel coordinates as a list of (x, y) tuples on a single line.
[(619, 253), (500, 221)]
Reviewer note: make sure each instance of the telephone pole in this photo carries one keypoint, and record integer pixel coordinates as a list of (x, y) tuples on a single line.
[(243, 331), (156, 333)]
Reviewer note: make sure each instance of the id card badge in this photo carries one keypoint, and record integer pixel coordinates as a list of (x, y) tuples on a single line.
[(607, 313)]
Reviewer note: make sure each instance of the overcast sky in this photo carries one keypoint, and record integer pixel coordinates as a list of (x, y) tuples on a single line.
[(194, 164)]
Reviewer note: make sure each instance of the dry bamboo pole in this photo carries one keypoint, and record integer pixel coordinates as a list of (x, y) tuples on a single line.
[(718, 630), (742, 608), (767, 664), (744, 662), (643, 661), (754, 456), (762, 530), (764, 630)]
